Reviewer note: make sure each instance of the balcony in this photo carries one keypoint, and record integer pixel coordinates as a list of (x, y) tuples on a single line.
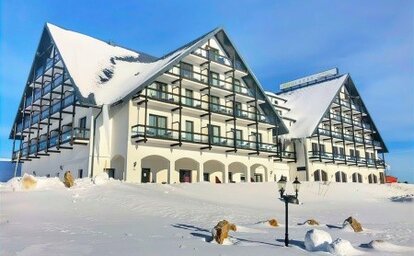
[(351, 159), (80, 136), (46, 112), (140, 131), (219, 59), (203, 105)]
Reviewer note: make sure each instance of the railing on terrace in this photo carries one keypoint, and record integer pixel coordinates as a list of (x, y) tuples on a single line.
[(193, 137), (56, 107), (213, 56), (349, 158), (218, 83), (203, 105)]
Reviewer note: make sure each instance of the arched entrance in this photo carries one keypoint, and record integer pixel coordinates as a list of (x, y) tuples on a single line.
[(237, 172), (213, 171), (258, 173), (117, 170), (154, 169), (186, 170)]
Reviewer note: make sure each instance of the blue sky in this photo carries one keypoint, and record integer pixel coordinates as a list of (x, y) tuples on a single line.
[(281, 41)]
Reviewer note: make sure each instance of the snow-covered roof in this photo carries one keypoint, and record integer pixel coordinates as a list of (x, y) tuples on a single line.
[(309, 104), (104, 72)]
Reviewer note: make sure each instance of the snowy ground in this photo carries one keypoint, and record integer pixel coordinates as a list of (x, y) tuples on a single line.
[(152, 219)]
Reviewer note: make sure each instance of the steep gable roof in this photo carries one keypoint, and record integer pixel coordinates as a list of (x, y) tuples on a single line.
[(308, 105), (106, 74)]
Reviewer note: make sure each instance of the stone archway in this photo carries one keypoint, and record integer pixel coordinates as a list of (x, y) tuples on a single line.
[(186, 170), (118, 167), (213, 171), (258, 173), (237, 172), (155, 169)]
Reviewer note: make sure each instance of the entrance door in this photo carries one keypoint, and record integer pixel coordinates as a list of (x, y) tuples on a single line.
[(258, 177), (145, 175), (111, 172), (185, 176), (206, 177)]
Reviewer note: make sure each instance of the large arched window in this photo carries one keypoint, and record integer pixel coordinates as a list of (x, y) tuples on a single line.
[(356, 177), (372, 178), (320, 175), (340, 177)]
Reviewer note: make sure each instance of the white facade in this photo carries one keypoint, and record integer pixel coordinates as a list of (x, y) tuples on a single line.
[(204, 117)]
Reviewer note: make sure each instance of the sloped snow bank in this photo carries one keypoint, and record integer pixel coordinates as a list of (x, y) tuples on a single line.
[(317, 240), (385, 246), (39, 183), (342, 247)]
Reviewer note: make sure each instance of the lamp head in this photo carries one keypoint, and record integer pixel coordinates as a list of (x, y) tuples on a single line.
[(282, 183), (296, 185)]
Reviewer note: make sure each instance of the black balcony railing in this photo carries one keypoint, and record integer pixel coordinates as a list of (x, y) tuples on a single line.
[(46, 142), (56, 107), (352, 159), (215, 82), (203, 105), (202, 138), (213, 56)]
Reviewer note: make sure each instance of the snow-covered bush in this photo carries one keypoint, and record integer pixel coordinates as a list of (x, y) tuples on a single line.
[(317, 240)]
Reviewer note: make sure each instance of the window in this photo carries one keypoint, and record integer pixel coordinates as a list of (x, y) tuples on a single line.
[(214, 54), (188, 97), (189, 130), (238, 108), (80, 173), (158, 125), (82, 123), (335, 151), (257, 137), (367, 156), (186, 70), (342, 152), (215, 134), (315, 149), (237, 85), (214, 78), (322, 146), (158, 90), (239, 136), (357, 154), (215, 102), (352, 154)]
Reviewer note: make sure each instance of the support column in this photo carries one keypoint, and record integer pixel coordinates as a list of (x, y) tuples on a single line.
[(171, 169), (248, 174), (226, 174), (201, 172)]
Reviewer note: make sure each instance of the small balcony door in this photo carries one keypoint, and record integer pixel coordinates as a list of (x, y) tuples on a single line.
[(158, 125), (189, 130)]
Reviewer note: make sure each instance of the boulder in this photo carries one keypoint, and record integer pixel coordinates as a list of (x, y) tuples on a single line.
[(356, 226), (312, 222), (221, 231), (28, 182), (68, 179), (273, 222), (317, 240)]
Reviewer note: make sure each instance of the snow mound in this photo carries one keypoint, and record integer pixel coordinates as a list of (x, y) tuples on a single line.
[(317, 240), (342, 247), (384, 246), (101, 178), (40, 183)]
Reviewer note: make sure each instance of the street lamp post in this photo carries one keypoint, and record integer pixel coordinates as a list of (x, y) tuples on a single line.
[(288, 199)]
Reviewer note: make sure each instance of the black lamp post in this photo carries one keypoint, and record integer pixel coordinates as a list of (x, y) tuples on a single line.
[(288, 199)]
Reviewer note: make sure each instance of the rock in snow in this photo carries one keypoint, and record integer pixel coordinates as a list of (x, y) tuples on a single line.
[(317, 240)]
